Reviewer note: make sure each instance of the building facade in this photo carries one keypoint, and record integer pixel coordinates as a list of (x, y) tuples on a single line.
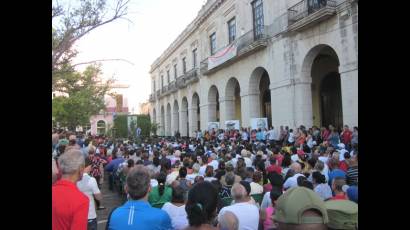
[(103, 122), (293, 62), (145, 108)]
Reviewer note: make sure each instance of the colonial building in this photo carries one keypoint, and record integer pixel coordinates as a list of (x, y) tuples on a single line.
[(101, 123), (145, 108), (293, 62)]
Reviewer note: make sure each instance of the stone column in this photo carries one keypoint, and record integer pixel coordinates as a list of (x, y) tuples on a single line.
[(175, 122), (282, 103), (204, 116), (183, 119), (226, 108), (193, 120), (250, 108), (349, 88), (303, 102)]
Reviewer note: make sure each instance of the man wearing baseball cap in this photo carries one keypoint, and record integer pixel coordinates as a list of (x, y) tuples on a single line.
[(342, 214), (300, 208)]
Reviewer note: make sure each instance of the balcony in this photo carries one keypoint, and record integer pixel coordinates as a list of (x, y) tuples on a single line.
[(180, 83), (151, 97), (191, 76), (172, 87), (307, 13), (245, 45)]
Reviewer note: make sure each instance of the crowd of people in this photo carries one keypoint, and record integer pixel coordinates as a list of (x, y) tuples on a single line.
[(276, 178)]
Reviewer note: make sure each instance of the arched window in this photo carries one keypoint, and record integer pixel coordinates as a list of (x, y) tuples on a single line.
[(101, 127)]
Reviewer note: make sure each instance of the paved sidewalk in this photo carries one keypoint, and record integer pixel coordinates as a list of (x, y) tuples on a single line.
[(111, 200)]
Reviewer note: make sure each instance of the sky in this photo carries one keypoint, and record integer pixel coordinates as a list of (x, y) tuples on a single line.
[(154, 25)]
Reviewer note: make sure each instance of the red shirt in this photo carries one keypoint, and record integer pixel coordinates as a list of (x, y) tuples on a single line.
[(69, 206), (343, 166), (279, 158), (346, 137), (340, 196), (274, 168)]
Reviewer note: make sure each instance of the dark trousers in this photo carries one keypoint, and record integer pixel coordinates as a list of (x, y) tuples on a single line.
[(111, 182), (92, 224)]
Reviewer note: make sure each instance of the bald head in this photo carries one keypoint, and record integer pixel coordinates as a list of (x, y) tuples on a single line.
[(228, 221), (238, 192), (296, 167)]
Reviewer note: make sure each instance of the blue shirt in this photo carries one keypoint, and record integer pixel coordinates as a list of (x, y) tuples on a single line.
[(260, 136), (138, 214), (336, 173), (113, 165)]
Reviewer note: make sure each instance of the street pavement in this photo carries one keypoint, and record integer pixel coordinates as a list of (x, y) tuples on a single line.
[(111, 200)]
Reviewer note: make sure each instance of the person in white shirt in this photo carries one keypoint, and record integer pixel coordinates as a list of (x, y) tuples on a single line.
[(342, 151), (255, 187), (245, 135), (228, 221), (209, 174), (292, 181), (246, 156), (176, 209), (247, 214), (195, 170), (204, 162), (88, 185), (214, 163), (291, 138)]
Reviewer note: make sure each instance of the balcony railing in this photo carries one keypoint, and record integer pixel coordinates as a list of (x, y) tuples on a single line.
[(172, 87), (180, 83), (191, 76), (152, 97), (307, 12), (248, 43)]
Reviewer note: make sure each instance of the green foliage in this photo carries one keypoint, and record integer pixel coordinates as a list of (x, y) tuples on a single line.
[(144, 122), (154, 128), (72, 21), (133, 126), (84, 98), (121, 126)]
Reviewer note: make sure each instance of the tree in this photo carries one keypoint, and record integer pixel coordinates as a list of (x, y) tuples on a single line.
[(144, 122), (121, 126), (154, 128), (72, 23), (83, 97)]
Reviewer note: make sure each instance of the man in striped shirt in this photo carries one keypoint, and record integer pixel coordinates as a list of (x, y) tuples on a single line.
[(352, 173)]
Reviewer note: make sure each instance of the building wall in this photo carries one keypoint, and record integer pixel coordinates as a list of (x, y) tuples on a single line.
[(288, 60)]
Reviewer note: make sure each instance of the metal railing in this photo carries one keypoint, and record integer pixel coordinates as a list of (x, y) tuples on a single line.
[(180, 82), (307, 7), (152, 97), (247, 42), (172, 86), (251, 37), (191, 75)]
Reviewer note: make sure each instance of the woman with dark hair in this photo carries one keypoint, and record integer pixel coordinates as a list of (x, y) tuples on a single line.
[(201, 206), (209, 173), (176, 209), (275, 180), (220, 171), (320, 186), (183, 182), (355, 136), (160, 194), (286, 162)]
